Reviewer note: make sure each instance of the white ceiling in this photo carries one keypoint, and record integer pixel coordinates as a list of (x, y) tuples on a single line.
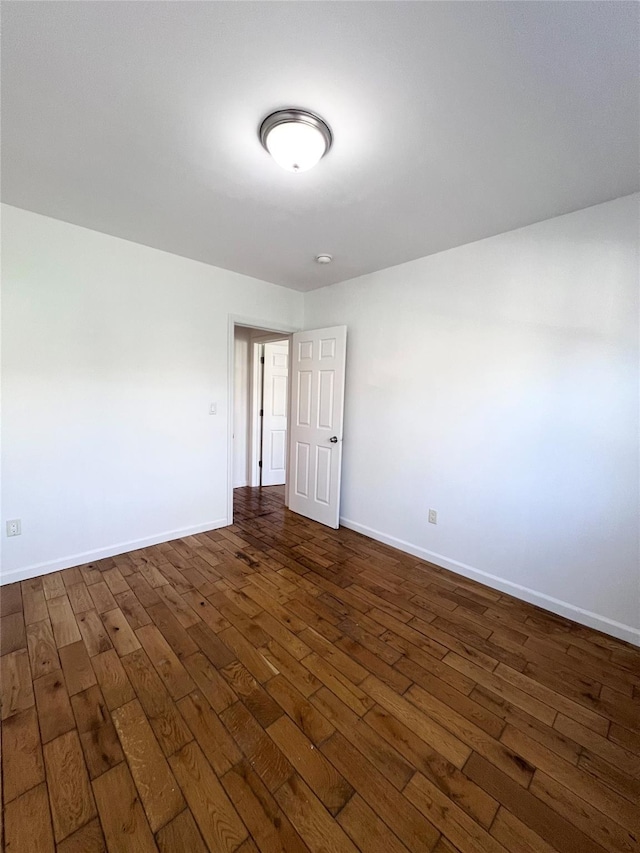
[(452, 121)]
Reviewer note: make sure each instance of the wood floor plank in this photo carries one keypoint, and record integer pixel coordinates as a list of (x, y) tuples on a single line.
[(266, 758), (214, 686), (515, 836), (123, 819), (321, 776), (28, 823), (217, 744), (120, 632), (501, 753), (607, 749), (452, 822), (78, 672), (135, 614), (161, 798), (145, 594), (603, 828), (72, 803), (113, 680), (282, 662), (71, 577), (348, 692), (217, 819), (102, 597), (431, 731), (209, 614), (385, 758), (101, 749), (175, 677), (212, 647), (308, 719), (537, 689), (173, 632), (10, 599), (34, 602), (12, 633), (185, 614), (94, 634), (366, 830), (255, 698), (411, 827), (166, 721), (16, 688), (21, 754), (88, 839), (54, 708), (261, 814), (98, 737), (79, 598), (43, 654), (289, 641), (181, 835), (250, 657), (561, 834), (575, 779), (115, 581), (310, 818), (63, 621), (53, 585), (446, 776)]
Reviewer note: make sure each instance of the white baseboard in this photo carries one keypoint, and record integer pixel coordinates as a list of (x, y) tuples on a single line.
[(555, 605), (109, 551)]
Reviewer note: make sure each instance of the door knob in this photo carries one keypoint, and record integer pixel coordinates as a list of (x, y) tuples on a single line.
[(334, 439)]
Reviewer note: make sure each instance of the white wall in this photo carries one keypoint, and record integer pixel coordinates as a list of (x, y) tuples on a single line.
[(112, 354), (498, 383), (241, 406)]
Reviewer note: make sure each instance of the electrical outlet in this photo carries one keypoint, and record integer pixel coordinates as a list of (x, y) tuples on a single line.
[(14, 528), (433, 516)]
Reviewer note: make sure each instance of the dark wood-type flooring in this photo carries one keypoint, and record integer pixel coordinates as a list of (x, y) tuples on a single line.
[(277, 685)]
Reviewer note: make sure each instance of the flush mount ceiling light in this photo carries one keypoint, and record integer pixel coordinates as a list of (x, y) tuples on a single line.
[(296, 139), (324, 259)]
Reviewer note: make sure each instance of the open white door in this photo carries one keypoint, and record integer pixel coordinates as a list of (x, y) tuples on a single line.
[(274, 407), (317, 406)]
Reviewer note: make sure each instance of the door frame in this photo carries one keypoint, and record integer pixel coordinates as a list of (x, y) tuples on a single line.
[(269, 327)]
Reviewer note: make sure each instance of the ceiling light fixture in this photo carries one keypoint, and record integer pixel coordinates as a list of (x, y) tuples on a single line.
[(296, 139), (324, 259)]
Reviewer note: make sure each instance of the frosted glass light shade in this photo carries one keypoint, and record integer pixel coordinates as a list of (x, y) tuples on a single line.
[(295, 139)]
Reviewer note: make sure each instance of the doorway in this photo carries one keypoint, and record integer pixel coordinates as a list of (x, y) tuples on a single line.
[(260, 407), (311, 440)]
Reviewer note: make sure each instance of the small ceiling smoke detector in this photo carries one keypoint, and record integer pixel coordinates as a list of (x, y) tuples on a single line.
[(296, 139), (324, 259)]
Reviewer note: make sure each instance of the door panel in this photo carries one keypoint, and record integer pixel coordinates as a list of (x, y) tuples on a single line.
[(275, 403), (301, 468), (318, 372), (303, 406), (325, 399)]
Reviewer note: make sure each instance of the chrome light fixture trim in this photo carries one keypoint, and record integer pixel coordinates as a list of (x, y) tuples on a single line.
[(299, 116)]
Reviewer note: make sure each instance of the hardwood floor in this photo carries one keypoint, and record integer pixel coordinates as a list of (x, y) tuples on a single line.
[(277, 685)]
